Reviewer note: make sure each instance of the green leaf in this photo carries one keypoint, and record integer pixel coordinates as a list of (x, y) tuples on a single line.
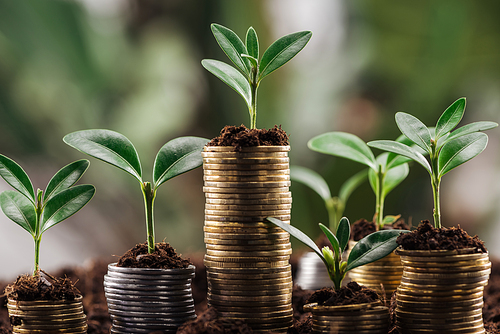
[(295, 232), (108, 146), (414, 130), (232, 46), (393, 177), (231, 77), (373, 247), (401, 149), (64, 204), (65, 178), (470, 128), (180, 155), (311, 179), (343, 233), (281, 51), (351, 184), (333, 239), (253, 61), (460, 150), (19, 209), (15, 175), (344, 145), (252, 43), (450, 118), (393, 159)]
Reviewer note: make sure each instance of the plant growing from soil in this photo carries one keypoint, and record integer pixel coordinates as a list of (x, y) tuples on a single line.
[(369, 249), (334, 205), (250, 70), (447, 149), (176, 157), (36, 213), (385, 172)]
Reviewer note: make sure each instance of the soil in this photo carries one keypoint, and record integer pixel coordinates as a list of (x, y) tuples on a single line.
[(427, 237), (352, 293), (163, 257), (241, 136), (363, 227)]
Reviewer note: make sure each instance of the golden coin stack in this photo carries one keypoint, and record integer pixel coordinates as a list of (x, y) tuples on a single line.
[(247, 259), (383, 276), (442, 291), (47, 316), (370, 318)]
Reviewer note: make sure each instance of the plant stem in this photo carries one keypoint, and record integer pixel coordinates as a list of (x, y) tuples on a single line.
[(149, 199), (337, 277), (37, 255), (334, 209), (435, 181), (253, 109), (37, 237), (379, 198)]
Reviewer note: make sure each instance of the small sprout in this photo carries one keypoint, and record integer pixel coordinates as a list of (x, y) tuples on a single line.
[(250, 71), (37, 213), (385, 172), (369, 249), (447, 149), (334, 205), (176, 157)]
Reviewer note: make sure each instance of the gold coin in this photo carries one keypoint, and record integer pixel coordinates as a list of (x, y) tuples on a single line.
[(262, 314), (249, 293), (248, 236), (254, 213), (237, 229), (255, 219), (449, 270), (236, 155), (247, 259), (245, 167), (250, 286), (250, 202), (235, 279), (253, 310), (246, 184), (244, 243), (443, 289), (409, 295), (249, 190), (247, 173), (283, 271), (257, 254), (272, 148), (239, 248), (252, 264), (257, 207), (253, 179), (266, 196), (250, 304)]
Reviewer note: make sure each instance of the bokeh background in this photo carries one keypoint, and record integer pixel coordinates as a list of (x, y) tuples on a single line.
[(133, 66)]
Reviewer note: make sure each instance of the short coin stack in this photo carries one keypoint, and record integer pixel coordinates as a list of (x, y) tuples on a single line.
[(442, 291), (247, 259)]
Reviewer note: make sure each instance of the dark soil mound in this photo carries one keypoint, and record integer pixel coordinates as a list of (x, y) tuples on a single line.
[(209, 322), (363, 227), (426, 237), (241, 136), (41, 287), (163, 257), (352, 293)]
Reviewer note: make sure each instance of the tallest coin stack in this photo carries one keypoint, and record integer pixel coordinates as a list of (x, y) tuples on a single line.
[(247, 259)]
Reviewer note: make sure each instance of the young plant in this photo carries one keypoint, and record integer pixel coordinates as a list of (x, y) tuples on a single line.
[(369, 249), (176, 157), (250, 71), (36, 213), (385, 172), (447, 149), (334, 205)]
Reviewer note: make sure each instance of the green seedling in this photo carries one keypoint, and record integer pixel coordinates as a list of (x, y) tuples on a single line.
[(36, 213), (385, 172), (447, 149), (369, 249), (176, 157), (334, 205), (250, 70)]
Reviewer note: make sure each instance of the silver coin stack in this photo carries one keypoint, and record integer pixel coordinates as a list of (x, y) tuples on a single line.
[(247, 259), (312, 273), (142, 300)]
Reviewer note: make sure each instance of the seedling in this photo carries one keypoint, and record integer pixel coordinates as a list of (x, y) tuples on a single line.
[(250, 71), (176, 157), (369, 249), (37, 213), (447, 149), (385, 172), (334, 205)]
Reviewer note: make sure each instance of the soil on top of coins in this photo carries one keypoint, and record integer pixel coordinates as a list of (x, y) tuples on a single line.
[(241, 136), (427, 237), (41, 287), (352, 293), (361, 228), (164, 257)]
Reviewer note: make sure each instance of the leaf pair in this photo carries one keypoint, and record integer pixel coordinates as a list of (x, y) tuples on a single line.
[(60, 200)]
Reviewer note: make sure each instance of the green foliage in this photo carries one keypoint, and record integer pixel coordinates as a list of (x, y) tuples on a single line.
[(250, 71), (447, 149), (385, 171), (369, 249), (176, 157), (37, 214)]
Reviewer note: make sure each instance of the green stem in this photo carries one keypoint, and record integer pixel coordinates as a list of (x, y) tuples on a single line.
[(379, 198), (149, 199), (337, 277), (435, 181), (37, 255), (253, 108), (334, 209), (37, 237)]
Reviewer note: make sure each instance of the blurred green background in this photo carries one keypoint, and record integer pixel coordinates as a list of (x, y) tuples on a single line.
[(133, 66)]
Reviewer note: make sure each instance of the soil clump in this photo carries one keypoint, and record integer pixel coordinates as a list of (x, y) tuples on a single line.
[(241, 136), (352, 293), (209, 322), (41, 287), (427, 237), (163, 257), (361, 228)]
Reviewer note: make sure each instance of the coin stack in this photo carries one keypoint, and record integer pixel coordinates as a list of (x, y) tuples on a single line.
[(369, 318), (247, 259), (143, 300), (383, 275), (442, 291), (44, 316), (312, 273)]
